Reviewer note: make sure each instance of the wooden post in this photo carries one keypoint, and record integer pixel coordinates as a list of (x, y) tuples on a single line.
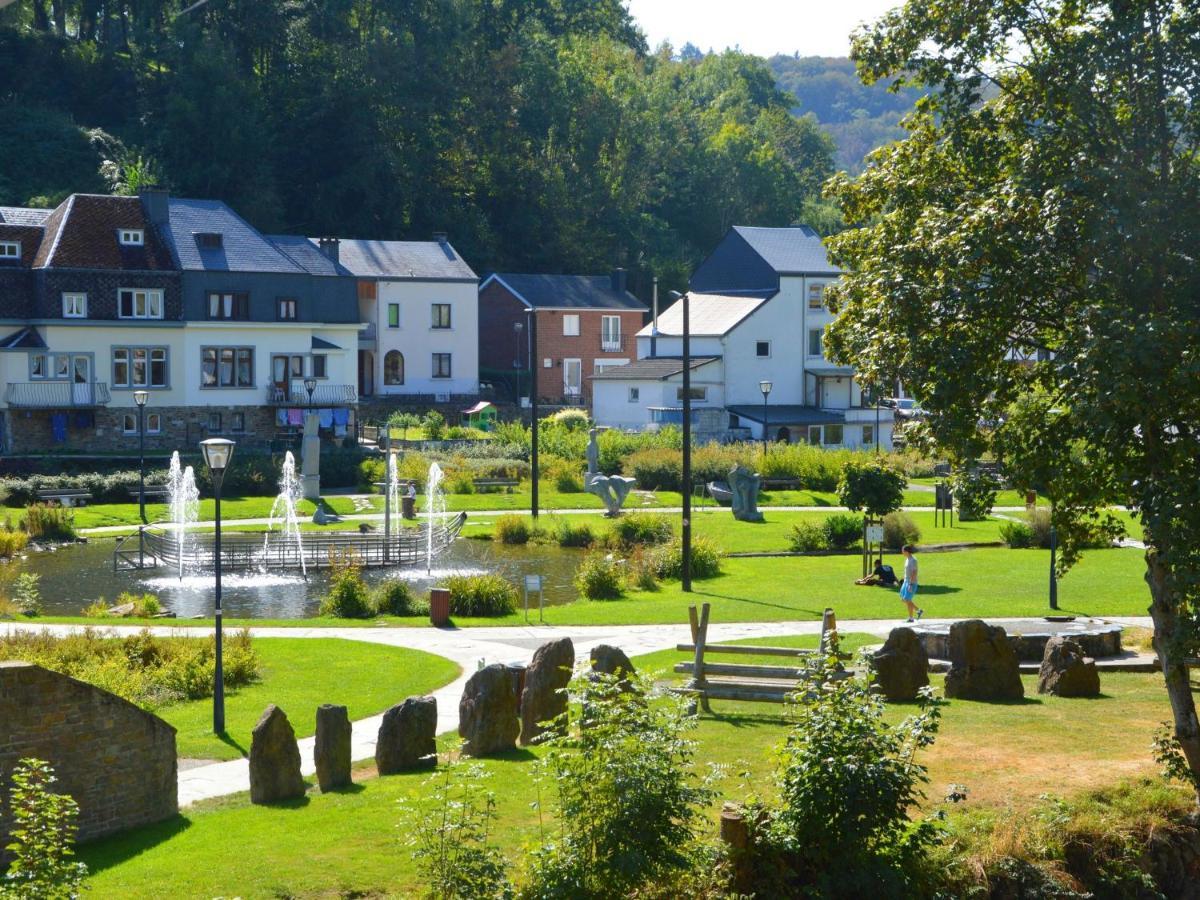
[(735, 833), (828, 630), (700, 633)]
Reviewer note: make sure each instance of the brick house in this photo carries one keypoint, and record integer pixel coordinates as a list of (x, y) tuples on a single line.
[(585, 324)]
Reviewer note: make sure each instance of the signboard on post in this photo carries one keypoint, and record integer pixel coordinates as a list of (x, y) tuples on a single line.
[(534, 583), (874, 534)]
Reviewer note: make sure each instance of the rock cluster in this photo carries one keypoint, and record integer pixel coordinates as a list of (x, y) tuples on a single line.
[(543, 699), (983, 664), (901, 666), (1065, 670), (487, 712), (406, 736), (274, 759)]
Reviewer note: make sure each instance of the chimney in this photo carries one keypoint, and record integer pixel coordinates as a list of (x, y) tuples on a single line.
[(154, 202), (330, 247), (441, 237), (619, 279), (443, 241)]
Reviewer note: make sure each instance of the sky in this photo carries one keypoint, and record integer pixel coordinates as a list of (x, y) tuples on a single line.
[(761, 27)]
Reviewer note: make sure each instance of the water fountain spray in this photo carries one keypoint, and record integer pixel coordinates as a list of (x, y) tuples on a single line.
[(183, 498), (435, 509), (283, 511)]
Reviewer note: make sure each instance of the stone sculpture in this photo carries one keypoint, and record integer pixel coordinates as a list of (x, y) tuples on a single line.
[(901, 666), (274, 759), (612, 489), (983, 664), (743, 485), (542, 697), (487, 712), (332, 750), (1065, 670), (406, 736)]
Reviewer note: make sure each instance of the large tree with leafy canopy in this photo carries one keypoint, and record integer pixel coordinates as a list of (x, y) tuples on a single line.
[(1047, 197)]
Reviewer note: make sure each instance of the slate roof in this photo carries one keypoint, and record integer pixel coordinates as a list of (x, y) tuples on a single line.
[(428, 260), (20, 215), (23, 339), (82, 234), (307, 255), (30, 238), (244, 248), (568, 291), (789, 251), (708, 315), (789, 414), (652, 368)]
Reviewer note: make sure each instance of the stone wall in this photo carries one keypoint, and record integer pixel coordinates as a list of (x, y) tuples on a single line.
[(115, 759)]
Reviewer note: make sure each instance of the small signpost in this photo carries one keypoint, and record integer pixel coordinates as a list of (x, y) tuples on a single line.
[(943, 503), (533, 583), (872, 544)]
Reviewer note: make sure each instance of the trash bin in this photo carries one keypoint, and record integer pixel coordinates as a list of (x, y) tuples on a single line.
[(408, 507), (439, 607)]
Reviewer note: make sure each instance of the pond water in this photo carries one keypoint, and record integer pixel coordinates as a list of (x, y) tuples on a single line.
[(75, 575)]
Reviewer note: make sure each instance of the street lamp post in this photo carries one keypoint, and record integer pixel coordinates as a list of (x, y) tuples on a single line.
[(518, 327), (687, 445), (533, 412), (217, 453), (140, 398), (765, 387), (310, 385)]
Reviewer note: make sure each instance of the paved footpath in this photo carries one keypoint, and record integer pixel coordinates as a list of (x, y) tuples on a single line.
[(470, 648)]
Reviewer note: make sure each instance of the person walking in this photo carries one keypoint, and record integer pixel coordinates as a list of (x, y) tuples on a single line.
[(908, 588)]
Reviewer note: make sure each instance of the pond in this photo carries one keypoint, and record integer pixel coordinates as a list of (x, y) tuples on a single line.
[(73, 576)]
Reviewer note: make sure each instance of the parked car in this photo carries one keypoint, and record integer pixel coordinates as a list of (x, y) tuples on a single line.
[(905, 407)]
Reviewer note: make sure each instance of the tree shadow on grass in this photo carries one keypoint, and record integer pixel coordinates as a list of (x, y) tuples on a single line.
[(225, 738), (107, 852), (745, 720), (813, 612)]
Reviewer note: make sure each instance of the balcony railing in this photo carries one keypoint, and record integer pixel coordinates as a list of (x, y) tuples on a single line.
[(612, 343), (323, 395), (56, 395)]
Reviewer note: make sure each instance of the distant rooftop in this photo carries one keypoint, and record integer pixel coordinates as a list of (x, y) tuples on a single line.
[(651, 368), (429, 260), (568, 291), (789, 251), (709, 315), (242, 248), (19, 215)]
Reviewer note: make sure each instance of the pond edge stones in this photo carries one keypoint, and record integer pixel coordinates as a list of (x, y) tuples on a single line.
[(331, 752), (983, 663), (543, 698), (274, 759), (1066, 671), (488, 711), (407, 737)]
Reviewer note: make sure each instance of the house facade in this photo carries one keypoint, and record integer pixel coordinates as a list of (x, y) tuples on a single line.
[(584, 325), (757, 304)]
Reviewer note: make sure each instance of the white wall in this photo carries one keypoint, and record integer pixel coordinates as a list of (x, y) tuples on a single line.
[(611, 405), (418, 340)]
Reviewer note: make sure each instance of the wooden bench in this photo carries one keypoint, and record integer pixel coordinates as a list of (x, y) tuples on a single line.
[(65, 497), (764, 683), (779, 484), (156, 492), (487, 484)]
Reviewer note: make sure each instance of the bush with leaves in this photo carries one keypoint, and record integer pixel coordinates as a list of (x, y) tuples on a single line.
[(404, 421), (843, 530), (571, 534), (27, 594), (847, 783), (872, 486), (511, 529), (974, 492), (600, 577), (629, 806), (1018, 535), (808, 536), (43, 830), (394, 597), (900, 529), (450, 829), (706, 559), (481, 595), (49, 522), (348, 596), (639, 530), (434, 424), (571, 419)]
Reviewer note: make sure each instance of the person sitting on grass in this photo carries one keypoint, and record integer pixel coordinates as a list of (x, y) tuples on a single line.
[(908, 589), (884, 576)]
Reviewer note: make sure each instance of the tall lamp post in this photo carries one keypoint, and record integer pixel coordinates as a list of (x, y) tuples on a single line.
[(310, 385), (518, 327), (140, 398), (217, 453), (765, 387), (533, 413), (686, 524)]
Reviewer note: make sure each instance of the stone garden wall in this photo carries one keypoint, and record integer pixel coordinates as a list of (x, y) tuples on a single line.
[(115, 759)]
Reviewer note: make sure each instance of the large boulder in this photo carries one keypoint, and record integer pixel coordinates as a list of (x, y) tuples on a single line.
[(542, 698), (983, 664), (487, 712), (332, 750), (274, 759), (406, 737), (901, 666), (1065, 670), (610, 660)]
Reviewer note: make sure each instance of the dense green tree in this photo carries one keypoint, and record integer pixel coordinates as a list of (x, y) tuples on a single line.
[(1061, 214)]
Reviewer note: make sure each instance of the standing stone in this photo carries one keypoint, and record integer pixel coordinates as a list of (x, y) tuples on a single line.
[(274, 759), (1066, 672), (901, 666), (543, 698), (611, 660), (983, 664), (487, 712), (332, 750), (406, 737)]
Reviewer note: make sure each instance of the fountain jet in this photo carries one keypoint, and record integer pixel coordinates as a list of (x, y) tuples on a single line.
[(435, 509), (183, 498), (283, 511)]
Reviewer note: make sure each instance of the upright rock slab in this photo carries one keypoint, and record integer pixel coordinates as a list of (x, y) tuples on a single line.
[(406, 737), (274, 759), (983, 664), (1066, 672), (332, 751), (901, 666), (542, 699), (609, 660), (488, 712)]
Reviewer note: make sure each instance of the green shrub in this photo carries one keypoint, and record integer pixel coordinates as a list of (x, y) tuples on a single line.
[(405, 421), (706, 559), (512, 529), (600, 577), (1018, 535), (12, 542), (639, 530), (843, 530), (145, 606), (97, 609), (974, 493), (394, 597), (27, 594), (567, 481), (642, 570), (657, 469), (434, 424), (348, 596), (571, 419), (43, 830), (809, 536), (459, 481), (49, 522), (900, 529), (570, 534), (481, 595)]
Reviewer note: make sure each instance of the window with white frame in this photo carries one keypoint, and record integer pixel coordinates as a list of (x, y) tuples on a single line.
[(441, 365), (610, 333), (285, 309), (214, 421), (136, 303), (441, 315), (227, 367), (153, 423), (131, 237), (129, 423), (139, 367), (10, 250), (74, 306), (833, 435), (816, 296), (570, 325), (38, 366), (237, 422), (762, 349), (634, 394), (814, 341)]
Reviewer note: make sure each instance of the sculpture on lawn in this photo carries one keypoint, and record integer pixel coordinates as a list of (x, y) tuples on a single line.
[(743, 484), (612, 489)]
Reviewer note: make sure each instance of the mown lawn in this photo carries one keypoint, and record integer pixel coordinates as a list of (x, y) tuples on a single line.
[(353, 843), (298, 675)]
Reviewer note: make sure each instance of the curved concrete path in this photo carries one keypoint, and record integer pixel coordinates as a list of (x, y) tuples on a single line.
[(470, 648)]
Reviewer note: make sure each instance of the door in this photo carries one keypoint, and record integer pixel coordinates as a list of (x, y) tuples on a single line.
[(81, 381), (572, 377), (610, 333), (366, 373)]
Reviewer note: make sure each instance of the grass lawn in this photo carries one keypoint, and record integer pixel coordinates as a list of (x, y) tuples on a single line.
[(104, 514), (298, 675), (352, 843)]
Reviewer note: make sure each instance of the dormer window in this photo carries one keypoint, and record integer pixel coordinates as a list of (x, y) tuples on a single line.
[(209, 240), (10, 251), (131, 237)]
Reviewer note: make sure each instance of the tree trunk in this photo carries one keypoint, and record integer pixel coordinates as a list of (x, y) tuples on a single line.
[(1164, 612), (60, 17), (41, 20)]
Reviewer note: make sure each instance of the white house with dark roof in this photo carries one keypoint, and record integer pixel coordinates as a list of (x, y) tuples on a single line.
[(757, 304)]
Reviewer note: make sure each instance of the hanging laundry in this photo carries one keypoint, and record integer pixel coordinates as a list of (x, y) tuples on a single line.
[(341, 416), (58, 427), (339, 430), (326, 417), (295, 417), (281, 416)]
